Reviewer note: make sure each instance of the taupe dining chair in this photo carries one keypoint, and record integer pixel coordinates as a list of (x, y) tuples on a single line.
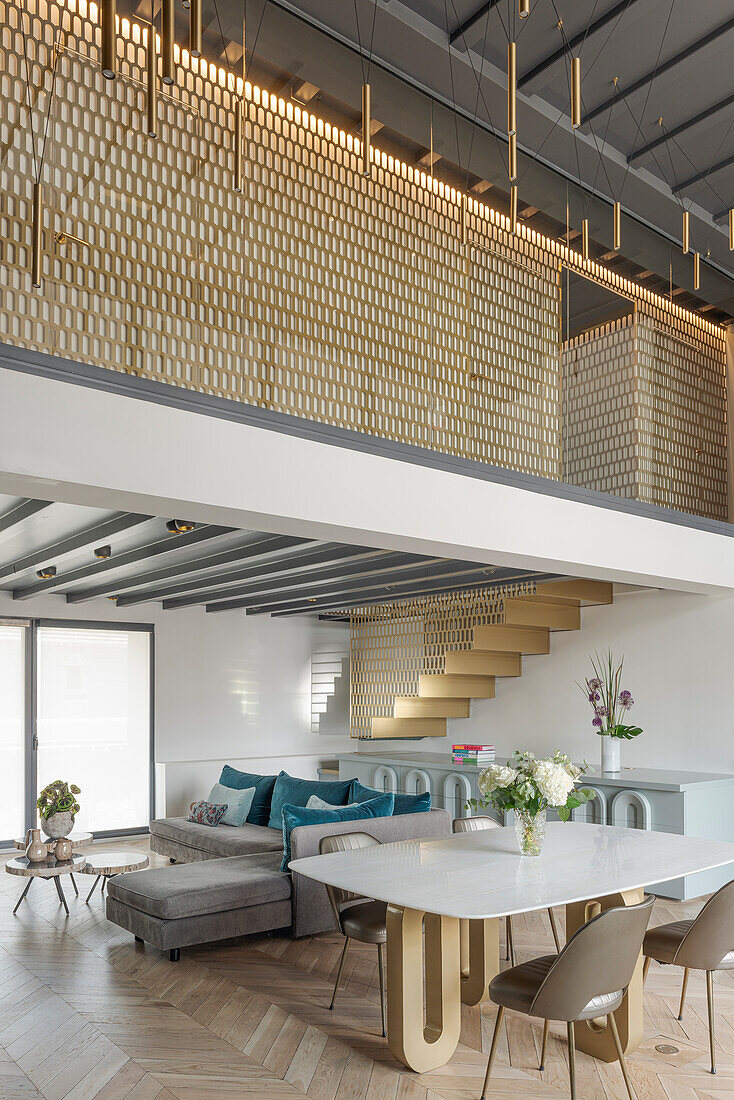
[(357, 918), (586, 981), (706, 943), (474, 825)]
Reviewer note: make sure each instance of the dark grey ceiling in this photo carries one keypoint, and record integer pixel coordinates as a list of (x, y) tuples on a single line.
[(221, 568)]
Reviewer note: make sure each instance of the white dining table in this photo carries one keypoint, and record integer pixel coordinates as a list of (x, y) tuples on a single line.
[(456, 888)]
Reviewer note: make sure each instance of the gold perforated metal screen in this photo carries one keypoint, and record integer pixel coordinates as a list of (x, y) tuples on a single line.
[(391, 645), (393, 305)]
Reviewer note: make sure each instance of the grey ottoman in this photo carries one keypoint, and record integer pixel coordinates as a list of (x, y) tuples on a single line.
[(218, 899)]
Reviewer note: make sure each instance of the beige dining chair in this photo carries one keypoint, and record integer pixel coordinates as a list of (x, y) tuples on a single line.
[(474, 825), (357, 918), (706, 943), (587, 981)]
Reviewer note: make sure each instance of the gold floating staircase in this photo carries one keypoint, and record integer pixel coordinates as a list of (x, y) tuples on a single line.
[(525, 627)]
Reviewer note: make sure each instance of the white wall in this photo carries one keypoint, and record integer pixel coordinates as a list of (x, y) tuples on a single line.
[(679, 666)]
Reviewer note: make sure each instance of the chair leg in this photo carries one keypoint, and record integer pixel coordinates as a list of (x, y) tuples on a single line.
[(493, 1049), (710, 999), (544, 1044), (510, 940), (382, 987), (571, 1057), (620, 1055), (683, 993), (554, 930), (339, 972), (645, 969)]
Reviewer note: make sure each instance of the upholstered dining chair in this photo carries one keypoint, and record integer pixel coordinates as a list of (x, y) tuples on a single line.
[(357, 918), (706, 943), (587, 981), (474, 825)]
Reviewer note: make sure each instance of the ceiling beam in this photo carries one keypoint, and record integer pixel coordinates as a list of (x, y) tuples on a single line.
[(88, 538), (577, 40), (666, 66), (21, 512), (684, 184), (150, 550), (456, 38), (702, 116), (261, 547)]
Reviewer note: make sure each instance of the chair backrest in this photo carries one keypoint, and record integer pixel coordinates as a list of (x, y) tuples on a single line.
[(711, 936), (599, 958), (344, 842), (475, 824)]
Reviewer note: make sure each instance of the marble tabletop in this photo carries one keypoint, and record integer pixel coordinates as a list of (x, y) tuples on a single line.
[(45, 868), (78, 840), (480, 875), (114, 862)]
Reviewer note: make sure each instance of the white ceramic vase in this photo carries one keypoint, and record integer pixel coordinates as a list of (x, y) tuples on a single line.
[(58, 825), (610, 754)]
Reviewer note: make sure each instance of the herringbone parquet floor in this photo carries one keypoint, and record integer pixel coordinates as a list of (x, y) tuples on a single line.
[(86, 1012)]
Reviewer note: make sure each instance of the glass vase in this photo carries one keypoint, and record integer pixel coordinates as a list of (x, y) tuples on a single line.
[(530, 832)]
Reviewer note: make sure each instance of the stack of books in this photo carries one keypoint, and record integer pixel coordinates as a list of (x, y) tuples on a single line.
[(473, 754)]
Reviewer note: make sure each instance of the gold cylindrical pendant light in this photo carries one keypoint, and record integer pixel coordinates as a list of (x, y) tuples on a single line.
[(513, 157), (585, 238), (617, 226), (238, 146), (108, 9), (696, 270), (576, 92), (195, 28), (513, 208), (511, 88), (36, 240), (152, 73), (686, 231), (168, 26), (524, 9), (366, 130), (731, 230)]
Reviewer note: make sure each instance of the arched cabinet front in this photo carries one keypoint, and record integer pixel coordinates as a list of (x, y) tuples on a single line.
[(630, 810), (456, 793), (596, 812), (385, 778), (417, 782)]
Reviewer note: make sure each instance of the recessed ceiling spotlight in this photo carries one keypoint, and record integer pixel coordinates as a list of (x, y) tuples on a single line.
[(113, 598), (46, 573), (103, 552), (178, 526), (311, 599)]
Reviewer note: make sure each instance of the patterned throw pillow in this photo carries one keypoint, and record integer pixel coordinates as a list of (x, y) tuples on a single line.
[(206, 813)]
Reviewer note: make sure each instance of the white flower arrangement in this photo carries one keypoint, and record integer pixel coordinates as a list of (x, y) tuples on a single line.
[(531, 785)]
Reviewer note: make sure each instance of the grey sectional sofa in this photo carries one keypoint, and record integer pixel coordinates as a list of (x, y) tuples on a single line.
[(229, 883)]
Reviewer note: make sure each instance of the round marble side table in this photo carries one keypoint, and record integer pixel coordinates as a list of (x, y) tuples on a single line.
[(78, 840), (48, 868), (106, 864)]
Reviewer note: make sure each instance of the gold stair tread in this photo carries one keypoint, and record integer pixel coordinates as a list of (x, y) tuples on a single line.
[(585, 591), (412, 706), (483, 662), (501, 637), (445, 686), (408, 727), (554, 616)]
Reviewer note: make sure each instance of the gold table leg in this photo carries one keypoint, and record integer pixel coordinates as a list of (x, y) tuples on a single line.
[(592, 1036), (480, 958)]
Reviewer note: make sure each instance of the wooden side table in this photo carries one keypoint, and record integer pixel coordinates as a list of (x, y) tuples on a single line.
[(78, 840), (106, 864), (48, 868)]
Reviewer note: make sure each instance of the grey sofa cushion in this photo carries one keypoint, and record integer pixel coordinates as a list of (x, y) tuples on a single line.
[(224, 840), (195, 889)]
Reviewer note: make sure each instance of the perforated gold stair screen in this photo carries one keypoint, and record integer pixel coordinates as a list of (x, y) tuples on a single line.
[(393, 305), (391, 645)]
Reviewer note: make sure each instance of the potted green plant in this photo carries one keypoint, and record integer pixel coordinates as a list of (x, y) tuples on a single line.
[(610, 704), (57, 808)]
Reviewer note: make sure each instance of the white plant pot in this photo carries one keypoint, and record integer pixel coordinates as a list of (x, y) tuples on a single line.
[(610, 755)]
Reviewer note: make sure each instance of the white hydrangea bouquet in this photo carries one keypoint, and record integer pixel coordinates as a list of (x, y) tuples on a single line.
[(529, 786)]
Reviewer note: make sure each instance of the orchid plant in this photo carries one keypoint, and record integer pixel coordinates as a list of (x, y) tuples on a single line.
[(610, 703), (529, 786)]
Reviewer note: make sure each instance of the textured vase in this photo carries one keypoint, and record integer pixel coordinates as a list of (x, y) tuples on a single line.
[(35, 848), (530, 832), (58, 825), (63, 849), (610, 755)]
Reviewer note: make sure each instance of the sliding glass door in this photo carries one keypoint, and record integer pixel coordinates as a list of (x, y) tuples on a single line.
[(13, 729)]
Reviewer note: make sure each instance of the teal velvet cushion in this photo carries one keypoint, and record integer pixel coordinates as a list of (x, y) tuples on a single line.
[(296, 792), (238, 803), (263, 784), (293, 816), (404, 803)]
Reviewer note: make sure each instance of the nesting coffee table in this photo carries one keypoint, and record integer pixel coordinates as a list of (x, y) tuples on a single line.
[(106, 864), (48, 868), (78, 840)]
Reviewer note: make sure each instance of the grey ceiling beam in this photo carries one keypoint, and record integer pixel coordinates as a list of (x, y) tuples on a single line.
[(88, 538), (665, 67), (151, 550), (364, 563), (577, 40), (686, 183), (456, 38), (681, 128), (21, 512), (260, 548)]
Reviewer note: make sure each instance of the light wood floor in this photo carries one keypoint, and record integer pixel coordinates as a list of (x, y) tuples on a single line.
[(86, 1012)]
